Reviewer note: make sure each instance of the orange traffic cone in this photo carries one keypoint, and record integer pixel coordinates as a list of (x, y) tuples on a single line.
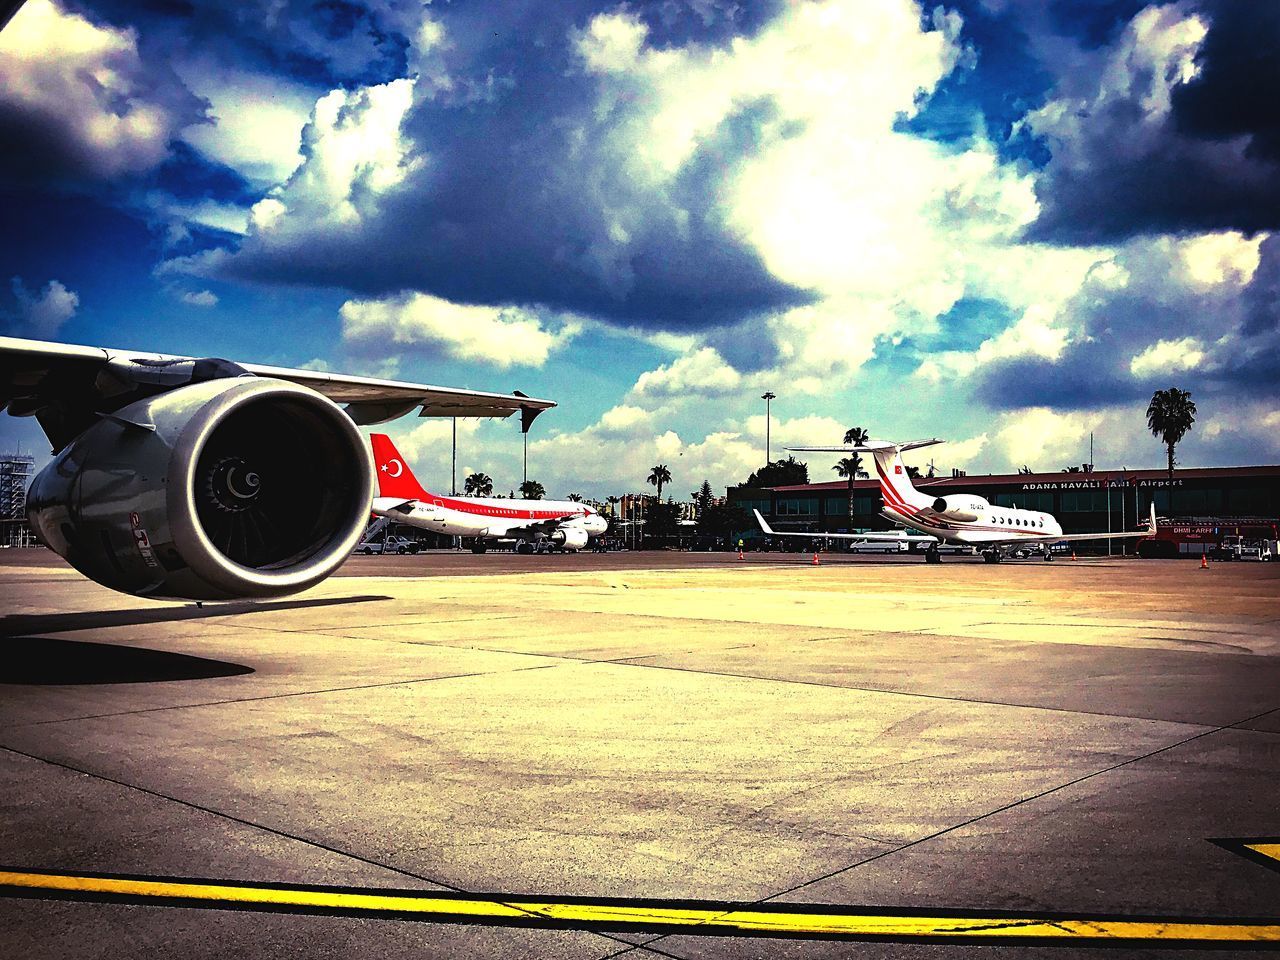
[(1073, 554), (815, 560), (1204, 561), (740, 556)]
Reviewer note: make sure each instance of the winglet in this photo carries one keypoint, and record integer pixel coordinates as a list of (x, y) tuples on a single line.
[(763, 526)]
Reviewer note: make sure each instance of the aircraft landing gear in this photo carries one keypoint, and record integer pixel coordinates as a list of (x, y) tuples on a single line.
[(479, 547), (932, 554), (991, 556), (1048, 555), (524, 546)]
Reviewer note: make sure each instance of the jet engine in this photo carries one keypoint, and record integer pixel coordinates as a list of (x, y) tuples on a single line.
[(234, 487), (571, 538), (960, 509)]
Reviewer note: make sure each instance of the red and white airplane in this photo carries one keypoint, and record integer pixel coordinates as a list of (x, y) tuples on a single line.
[(531, 523), (965, 520)]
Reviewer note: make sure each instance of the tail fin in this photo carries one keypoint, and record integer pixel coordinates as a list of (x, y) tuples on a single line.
[(895, 485), (395, 479)]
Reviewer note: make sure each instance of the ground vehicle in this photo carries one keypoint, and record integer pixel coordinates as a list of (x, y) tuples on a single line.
[(1196, 536), (1236, 547), (390, 544)]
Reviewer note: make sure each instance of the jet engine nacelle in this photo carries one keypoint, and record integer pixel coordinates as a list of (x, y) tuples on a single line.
[(235, 487), (960, 509), (571, 538)]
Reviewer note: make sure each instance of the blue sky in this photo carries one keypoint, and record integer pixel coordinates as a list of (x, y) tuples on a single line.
[(1003, 223)]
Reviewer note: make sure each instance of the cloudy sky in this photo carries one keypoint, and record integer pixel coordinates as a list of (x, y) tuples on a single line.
[(1002, 222)]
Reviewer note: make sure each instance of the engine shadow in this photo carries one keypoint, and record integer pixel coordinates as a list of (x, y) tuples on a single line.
[(42, 661), (22, 625)]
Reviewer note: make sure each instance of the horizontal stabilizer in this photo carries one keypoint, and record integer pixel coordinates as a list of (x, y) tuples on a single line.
[(870, 446)]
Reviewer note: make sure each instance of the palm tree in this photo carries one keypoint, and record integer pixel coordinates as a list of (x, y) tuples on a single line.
[(658, 477), (613, 505), (1169, 416), (532, 490), (478, 485), (849, 469), (851, 466), (1024, 470), (575, 497)]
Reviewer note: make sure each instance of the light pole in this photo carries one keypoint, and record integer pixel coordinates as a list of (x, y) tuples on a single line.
[(453, 475), (768, 397)]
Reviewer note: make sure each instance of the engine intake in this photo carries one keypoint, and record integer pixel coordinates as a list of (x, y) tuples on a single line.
[(239, 487), (954, 508), (571, 538)]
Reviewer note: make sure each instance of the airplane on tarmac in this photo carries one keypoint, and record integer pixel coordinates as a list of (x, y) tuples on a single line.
[(531, 523), (965, 520), (203, 479)]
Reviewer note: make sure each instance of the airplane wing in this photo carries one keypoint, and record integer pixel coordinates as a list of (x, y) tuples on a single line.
[(1072, 537), (68, 387), (860, 537), (535, 527)]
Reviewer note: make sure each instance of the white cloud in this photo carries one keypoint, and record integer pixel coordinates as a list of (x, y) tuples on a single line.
[(1043, 438), (202, 298), (499, 336), (40, 315), (1168, 356), (257, 120), (703, 372), (355, 152), (88, 86)]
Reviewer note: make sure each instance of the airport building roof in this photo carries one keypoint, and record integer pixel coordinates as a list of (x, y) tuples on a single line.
[(1056, 478)]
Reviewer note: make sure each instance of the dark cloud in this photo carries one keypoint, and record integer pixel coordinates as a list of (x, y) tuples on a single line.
[(1237, 330), (531, 195), (1209, 164), (1238, 85)]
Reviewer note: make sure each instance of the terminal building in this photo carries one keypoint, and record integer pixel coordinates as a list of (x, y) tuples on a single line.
[(1088, 501)]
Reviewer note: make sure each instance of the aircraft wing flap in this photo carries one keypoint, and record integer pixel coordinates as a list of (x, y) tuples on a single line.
[(860, 537)]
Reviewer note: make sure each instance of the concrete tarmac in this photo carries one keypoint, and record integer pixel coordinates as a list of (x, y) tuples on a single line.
[(1036, 738)]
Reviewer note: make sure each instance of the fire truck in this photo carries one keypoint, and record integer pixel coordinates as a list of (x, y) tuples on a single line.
[(1215, 537)]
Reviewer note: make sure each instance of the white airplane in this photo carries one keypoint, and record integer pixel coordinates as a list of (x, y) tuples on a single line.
[(531, 523), (203, 479), (964, 519)]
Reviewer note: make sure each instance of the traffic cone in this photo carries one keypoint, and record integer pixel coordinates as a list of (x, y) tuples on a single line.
[(1204, 561), (1073, 554), (740, 556), (815, 560)]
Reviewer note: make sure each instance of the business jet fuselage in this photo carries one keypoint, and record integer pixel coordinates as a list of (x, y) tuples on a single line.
[(962, 519), (559, 523)]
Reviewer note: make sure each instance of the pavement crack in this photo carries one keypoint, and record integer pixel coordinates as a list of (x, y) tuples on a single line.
[(285, 696), (319, 845)]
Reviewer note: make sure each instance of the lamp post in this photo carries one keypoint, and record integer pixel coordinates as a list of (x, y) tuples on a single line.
[(453, 474), (768, 397)]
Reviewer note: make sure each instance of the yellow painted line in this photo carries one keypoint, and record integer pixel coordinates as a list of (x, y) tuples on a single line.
[(826, 921), (1271, 849)]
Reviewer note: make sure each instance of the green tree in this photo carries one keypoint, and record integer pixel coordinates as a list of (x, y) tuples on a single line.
[(477, 485), (1024, 470), (575, 497), (703, 497), (613, 505), (721, 521), (1169, 416), (780, 473), (658, 476), (532, 490), (660, 524)]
